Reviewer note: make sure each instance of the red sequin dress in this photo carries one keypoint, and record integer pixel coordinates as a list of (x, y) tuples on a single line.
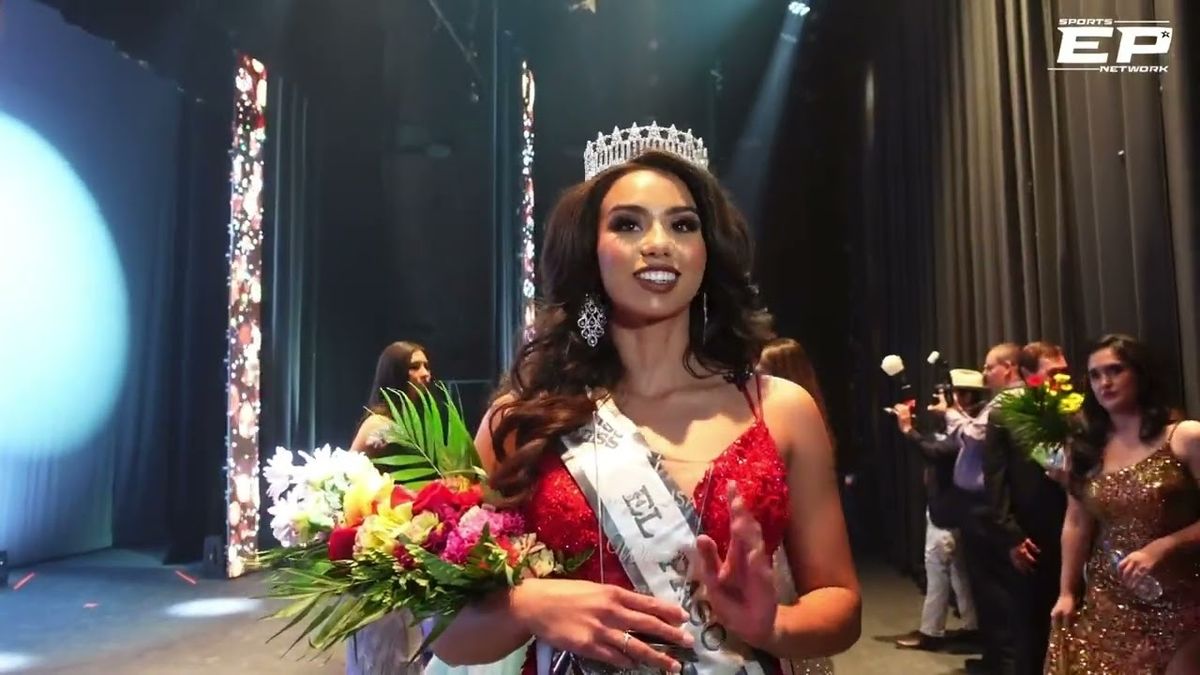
[(564, 520)]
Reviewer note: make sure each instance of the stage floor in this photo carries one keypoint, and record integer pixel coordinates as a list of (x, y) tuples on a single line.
[(121, 611)]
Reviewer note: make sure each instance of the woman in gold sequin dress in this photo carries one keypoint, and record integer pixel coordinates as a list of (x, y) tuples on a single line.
[(1134, 517)]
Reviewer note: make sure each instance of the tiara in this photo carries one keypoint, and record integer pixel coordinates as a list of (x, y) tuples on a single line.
[(623, 145)]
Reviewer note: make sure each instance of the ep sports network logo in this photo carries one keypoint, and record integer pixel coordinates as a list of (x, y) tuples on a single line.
[(1088, 44)]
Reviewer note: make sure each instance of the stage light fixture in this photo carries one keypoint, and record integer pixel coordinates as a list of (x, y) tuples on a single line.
[(799, 8)]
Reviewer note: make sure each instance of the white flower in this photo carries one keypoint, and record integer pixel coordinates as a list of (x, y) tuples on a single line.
[(541, 562), (317, 511), (318, 467), (358, 467), (283, 521), (279, 473)]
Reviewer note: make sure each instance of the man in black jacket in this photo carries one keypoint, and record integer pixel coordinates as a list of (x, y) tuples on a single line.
[(945, 567), (1027, 509)]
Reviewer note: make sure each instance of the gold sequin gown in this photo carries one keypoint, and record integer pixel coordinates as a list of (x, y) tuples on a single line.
[(1115, 633)]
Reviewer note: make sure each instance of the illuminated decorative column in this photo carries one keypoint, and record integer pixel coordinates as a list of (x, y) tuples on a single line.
[(245, 304), (528, 246)]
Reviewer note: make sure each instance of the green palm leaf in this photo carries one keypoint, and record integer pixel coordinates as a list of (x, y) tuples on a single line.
[(431, 446)]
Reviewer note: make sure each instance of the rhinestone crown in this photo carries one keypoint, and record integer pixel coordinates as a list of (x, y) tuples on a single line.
[(623, 145)]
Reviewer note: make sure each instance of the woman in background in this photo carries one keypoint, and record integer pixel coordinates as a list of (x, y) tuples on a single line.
[(786, 358), (1133, 524), (403, 366), (385, 647)]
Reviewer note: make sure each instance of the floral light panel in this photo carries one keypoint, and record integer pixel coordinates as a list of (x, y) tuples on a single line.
[(245, 304), (528, 247)]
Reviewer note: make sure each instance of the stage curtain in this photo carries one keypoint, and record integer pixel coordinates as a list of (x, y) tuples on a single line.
[(1056, 205)]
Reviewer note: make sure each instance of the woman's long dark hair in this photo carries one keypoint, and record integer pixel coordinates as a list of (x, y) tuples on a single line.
[(391, 372), (1088, 448), (547, 387)]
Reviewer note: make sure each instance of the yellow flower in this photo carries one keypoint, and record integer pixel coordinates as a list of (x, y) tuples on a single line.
[(1070, 404), (382, 530), (417, 530), (360, 498), (377, 533)]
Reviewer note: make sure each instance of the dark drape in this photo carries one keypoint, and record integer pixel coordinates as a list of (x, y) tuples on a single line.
[(195, 439), (143, 475), (1057, 205), (380, 220), (290, 273)]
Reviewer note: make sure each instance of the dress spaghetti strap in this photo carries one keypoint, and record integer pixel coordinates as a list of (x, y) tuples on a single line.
[(754, 407), (1171, 435)]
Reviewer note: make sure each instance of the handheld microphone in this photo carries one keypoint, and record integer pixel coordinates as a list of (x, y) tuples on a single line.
[(945, 386), (893, 366)]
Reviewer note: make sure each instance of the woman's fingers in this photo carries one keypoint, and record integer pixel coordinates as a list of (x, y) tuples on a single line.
[(653, 628), (668, 613), (631, 647), (607, 653), (705, 560)]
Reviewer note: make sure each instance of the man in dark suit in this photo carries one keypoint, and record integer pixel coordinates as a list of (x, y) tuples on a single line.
[(1027, 509), (986, 558)]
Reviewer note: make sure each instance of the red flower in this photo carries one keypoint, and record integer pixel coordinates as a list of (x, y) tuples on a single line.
[(341, 543), (433, 497), (404, 557), (514, 556), (401, 494), (436, 541), (472, 496), (1035, 380)]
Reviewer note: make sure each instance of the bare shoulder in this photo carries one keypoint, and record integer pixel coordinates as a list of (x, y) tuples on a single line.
[(496, 411), (363, 440), (793, 418), (374, 422), (1185, 439), (483, 436), (784, 398)]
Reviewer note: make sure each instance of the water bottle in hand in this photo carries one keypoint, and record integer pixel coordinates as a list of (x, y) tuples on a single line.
[(1147, 589)]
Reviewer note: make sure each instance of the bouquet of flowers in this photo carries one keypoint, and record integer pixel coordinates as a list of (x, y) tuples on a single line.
[(359, 543), (1042, 416)]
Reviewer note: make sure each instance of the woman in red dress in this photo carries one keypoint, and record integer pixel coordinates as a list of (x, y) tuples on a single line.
[(637, 384)]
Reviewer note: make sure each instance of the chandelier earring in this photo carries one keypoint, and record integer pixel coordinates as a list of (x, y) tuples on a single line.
[(592, 320)]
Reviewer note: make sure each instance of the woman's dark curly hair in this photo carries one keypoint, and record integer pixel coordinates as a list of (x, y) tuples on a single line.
[(546, 392), (1088, 446)]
